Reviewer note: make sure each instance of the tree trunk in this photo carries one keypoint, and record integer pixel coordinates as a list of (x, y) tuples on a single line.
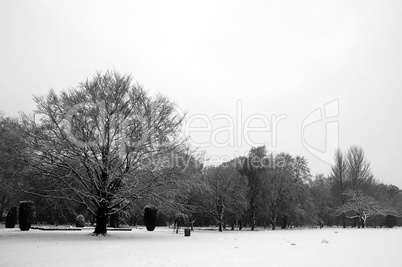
[(253, 221), (344, 221), (220, 222), (284, 222), (101, 220)]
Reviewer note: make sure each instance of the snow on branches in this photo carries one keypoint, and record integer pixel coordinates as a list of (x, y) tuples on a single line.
[(361, 206)]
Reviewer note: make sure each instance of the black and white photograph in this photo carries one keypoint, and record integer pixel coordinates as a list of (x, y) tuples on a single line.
[(200, 133)]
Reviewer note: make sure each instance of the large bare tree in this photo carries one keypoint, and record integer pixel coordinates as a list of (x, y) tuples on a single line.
[(358, 168), (102, 144), (338, 178)]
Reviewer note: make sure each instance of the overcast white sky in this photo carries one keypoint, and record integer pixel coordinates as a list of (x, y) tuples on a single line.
[(270, 58)]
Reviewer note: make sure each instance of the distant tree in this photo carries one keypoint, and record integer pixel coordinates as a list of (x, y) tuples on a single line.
[(322, 197), (362, 207), (389, 196), (391, 221), (224, 191), (254, 168), (273, 196), (338, 179), (184, 201), (10, 164), (359, 172), (395, 199), (285, 200), (358, 168), (301, 170), (300, 208), (103, 145)]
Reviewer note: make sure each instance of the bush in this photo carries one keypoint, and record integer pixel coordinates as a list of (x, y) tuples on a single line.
[(150, 217), (26, 215), (12, 216), (115, 220), (390, 221), (80, 221)]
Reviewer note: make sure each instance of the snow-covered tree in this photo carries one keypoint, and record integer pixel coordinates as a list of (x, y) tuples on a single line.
[(223, 192), (103, 144), (362, 207)]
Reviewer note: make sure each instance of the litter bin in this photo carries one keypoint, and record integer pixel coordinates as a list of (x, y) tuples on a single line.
[(187, 232)]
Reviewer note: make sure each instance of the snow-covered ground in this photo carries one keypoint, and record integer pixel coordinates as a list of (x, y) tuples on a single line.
[(162, 247)]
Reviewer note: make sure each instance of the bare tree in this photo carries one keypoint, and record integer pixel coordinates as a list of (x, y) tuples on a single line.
[(103, 144), (301, 170), (358, 168), (358, 171), (338, 177), (320, 191), (362, 207), (254, 168), (10, 166), (224, 190)]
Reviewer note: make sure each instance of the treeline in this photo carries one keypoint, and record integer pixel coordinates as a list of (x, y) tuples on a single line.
[(279, 191), (106, 149), (264, 190)]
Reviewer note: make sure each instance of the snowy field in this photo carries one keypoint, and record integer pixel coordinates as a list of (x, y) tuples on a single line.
[(303, 247)]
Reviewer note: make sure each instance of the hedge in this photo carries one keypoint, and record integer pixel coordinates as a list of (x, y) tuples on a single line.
[(12, 216), (150, 217), (26, 215)]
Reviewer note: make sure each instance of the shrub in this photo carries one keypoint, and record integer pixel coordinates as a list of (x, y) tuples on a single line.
[(115, 220), (150, 217), (390, 221), (11, 219), (80, 221), (26, 215)]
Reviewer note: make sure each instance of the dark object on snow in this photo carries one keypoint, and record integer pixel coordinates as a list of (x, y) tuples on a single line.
[(11, 219), (120, 229), (187, 232), (55, 228), (80, 221), (26, 215), (150, 217)]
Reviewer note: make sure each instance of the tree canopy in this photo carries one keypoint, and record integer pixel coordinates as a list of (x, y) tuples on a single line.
[(102, 144)]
